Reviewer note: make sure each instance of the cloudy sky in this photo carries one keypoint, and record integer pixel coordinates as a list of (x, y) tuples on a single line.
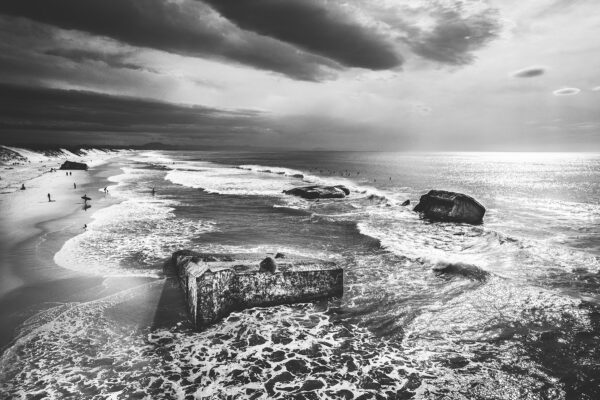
[(303, 74)]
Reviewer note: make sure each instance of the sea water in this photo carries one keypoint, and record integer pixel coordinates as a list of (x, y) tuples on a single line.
[(506, 310)]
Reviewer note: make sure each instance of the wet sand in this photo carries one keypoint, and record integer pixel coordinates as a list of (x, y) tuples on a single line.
[(32, 230)]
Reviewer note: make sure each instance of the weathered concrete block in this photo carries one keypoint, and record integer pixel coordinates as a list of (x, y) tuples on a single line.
[(217, 284), (74, 165)]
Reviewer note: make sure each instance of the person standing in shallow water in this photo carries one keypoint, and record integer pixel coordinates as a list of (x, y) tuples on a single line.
[(49, 199)]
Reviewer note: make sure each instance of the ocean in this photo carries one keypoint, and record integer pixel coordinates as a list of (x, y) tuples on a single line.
[(509, 309)]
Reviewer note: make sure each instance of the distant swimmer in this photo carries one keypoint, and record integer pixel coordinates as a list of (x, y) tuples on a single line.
[(49, 199), (22, 186)]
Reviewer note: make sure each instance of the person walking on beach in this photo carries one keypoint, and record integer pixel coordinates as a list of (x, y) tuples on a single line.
[(49, 199)]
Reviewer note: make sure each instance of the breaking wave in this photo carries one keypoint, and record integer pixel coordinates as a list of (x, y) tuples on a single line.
[(133, 236)]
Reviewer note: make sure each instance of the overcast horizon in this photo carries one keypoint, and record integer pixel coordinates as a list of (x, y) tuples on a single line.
[(441, 75)]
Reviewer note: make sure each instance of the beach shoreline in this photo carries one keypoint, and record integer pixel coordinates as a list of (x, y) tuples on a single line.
[(34, 230)]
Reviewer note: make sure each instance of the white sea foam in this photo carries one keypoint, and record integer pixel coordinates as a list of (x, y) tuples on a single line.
[(260, 180), (230, 181), (271, 170), (133, 236), (152, 157), (510, 256), (129, 237), (79, 348)]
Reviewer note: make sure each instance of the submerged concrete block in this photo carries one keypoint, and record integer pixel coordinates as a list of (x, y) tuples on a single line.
[(217, 284)]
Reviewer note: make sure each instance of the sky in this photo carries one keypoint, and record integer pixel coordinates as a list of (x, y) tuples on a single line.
[(413, 75)]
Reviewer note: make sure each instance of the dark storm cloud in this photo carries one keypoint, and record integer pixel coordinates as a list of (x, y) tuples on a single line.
[(40, 111), (314, 27), (110, 59), (455, 36), (188, 28), (37, 54), (529, 72), (303, 39)]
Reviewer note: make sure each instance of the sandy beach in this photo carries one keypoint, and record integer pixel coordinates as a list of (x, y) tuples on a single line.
[(34, 229)]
